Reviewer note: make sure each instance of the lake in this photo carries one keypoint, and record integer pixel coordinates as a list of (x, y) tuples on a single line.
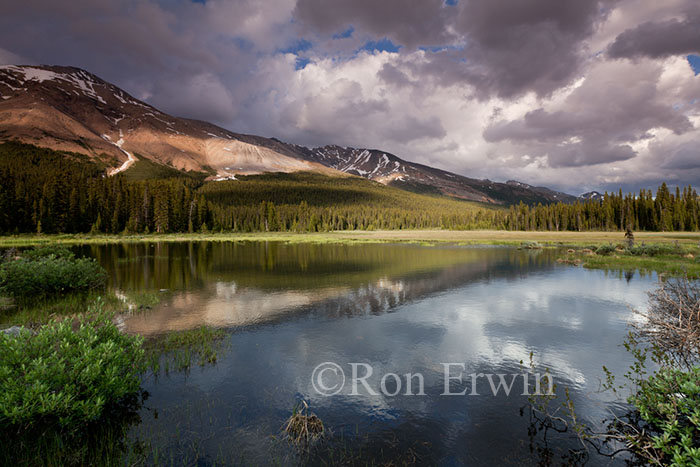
[(396, 309)]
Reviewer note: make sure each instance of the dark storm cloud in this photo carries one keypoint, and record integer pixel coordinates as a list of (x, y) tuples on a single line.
[(618, 103), (101, 32), (179, 56), (684, 156), (588, 152), (411, 23), (528, 45), (136, 45), (503, 48), (658, 39)]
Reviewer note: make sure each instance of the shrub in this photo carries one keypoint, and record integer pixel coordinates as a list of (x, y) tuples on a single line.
[(670, 402), (57, 251), (605, 249), (39, 274), (672, 321), (67, 377), (656, 250)]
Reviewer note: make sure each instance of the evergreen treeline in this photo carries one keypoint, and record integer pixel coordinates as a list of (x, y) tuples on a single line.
[(664, 212), (55, 192), (46, 191)]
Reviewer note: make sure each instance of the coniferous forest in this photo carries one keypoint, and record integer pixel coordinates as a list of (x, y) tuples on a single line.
[(44, 191)]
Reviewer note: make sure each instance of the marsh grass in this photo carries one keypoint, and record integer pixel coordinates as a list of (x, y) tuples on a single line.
[(532, 245), (670, 259), (353, 446), (303, 429), (33, 312), (462, 237), (179, 351), (144, 300), (138, 301), (670, 265)]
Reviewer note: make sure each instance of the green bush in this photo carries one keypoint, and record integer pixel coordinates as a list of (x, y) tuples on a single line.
[(656, 250), (39, 273), (605, 249), (57, 251), (67, 377), (670, 402)]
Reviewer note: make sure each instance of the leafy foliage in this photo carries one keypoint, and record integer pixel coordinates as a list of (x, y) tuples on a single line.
[(46, 251), (662, 423), (65, 376), (655, 250), (49, 271), (670, 402), (664, 427), (605, 249)]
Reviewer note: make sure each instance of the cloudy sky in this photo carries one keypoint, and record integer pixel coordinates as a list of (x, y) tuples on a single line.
[(571, 94)]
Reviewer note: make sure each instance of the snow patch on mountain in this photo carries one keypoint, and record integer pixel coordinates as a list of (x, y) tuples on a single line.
[(80, 79), (130, 158), (592, 195)]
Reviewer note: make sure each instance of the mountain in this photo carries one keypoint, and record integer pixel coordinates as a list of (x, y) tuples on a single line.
[(70, 109), (391, 170), (593, 196)]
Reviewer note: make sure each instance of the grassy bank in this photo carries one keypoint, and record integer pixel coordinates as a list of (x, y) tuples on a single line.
[(671, 265), (674, 259), (486, 237)]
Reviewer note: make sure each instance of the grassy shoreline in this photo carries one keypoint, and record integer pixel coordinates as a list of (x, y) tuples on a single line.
[(671, 265), (462, 237), (666, 265)]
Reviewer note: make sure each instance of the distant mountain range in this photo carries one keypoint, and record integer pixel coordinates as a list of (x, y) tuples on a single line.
[(70, 109)]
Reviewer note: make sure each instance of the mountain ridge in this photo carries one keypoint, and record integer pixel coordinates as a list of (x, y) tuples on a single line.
[(68, 108)]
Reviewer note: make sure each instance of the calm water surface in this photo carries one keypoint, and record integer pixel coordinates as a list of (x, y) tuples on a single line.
[(399, 308)]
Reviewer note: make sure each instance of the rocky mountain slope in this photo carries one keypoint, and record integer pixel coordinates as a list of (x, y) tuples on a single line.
[(70, 109), (389, 169)]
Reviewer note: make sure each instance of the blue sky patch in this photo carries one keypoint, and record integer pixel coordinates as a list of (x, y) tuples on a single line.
[(694, 61), (345, 34), (299, 46), (301, 63), (441, 48), (382, 45)]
